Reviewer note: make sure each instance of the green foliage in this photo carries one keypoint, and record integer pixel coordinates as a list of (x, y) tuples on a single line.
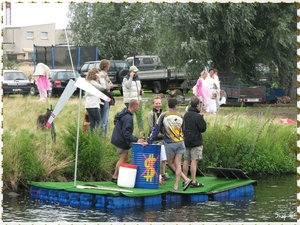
[(235, 36), (21, 161), (235, 138), (103, 27), (29, 161), (255, 145), (93, 152), (9, 64)]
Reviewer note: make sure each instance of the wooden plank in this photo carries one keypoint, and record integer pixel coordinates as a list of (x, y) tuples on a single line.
[(90, 186)]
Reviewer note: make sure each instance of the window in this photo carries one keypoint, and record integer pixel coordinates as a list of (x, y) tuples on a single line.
[(147, 60), (130, 62), (29, 34), (30, 56), (44, 35)]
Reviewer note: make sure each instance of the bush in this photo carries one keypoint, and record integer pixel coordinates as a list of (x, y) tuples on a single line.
[(255, 145), (21, 162), (95, 156)]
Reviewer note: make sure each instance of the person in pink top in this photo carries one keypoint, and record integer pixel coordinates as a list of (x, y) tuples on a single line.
[(41, 75), (202, 90)]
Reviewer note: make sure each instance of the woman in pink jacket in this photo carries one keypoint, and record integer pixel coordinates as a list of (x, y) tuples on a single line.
[(202, 90), (41, 75)]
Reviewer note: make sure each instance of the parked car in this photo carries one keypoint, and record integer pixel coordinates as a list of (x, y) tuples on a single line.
[(59, 79), (117, 71), (15, 82), (145, 62)]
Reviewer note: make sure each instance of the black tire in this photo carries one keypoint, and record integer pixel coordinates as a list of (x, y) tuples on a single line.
[(33, 90), (121, 74), (157, 87), (50, 94), (249, 103), (185, 91)]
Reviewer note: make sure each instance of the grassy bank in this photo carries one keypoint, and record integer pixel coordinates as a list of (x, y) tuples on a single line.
[(255, 143)]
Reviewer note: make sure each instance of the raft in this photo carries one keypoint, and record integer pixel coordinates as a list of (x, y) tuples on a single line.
[(226, 184)]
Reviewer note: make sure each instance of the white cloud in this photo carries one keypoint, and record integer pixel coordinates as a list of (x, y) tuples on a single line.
[(23, 14)]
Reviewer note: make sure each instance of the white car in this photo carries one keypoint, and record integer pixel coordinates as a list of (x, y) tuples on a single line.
[(15, 82)]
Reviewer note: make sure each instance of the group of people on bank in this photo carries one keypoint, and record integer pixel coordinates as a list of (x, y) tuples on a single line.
[(98, 110), (207, 89)]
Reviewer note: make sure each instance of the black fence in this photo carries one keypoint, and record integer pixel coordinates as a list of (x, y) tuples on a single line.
[(58, 57)]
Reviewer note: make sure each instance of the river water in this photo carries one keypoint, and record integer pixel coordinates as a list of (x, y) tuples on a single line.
[(274, 200)]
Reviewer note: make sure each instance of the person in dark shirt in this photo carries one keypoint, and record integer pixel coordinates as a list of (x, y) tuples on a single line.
[(194, 126), (122, 136)]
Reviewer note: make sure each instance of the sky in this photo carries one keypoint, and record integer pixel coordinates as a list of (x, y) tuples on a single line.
[(23, 14)]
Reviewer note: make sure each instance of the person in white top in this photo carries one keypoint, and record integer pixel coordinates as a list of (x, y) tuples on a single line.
[(214, 85), (41, 76), (92, 103), (217, 83), (106, 85), (132, 89)]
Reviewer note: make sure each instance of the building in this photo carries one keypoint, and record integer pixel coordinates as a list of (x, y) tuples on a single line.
[(18, 41)]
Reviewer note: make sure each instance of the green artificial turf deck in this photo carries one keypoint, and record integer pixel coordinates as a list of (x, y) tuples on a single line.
[(211, 185)]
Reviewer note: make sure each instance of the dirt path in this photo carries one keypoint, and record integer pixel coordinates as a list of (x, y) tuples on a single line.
[(279, 111)]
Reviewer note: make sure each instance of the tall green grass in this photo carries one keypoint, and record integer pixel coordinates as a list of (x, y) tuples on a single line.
[(256, 143)]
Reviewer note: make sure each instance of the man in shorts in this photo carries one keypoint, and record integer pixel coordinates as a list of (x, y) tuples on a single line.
[(122, 136), (170, 124), (194, 125), (153, 115)]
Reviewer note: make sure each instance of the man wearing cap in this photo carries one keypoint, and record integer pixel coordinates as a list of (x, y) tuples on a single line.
[(132, 89)]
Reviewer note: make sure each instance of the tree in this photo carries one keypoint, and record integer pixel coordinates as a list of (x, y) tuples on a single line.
[(280, 41), (235, 36), (117, 29)]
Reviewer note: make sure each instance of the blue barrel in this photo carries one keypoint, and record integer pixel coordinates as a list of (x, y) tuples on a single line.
[(147, 160)]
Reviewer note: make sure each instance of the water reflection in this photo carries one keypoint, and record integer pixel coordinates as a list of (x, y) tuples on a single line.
[(274, 200)]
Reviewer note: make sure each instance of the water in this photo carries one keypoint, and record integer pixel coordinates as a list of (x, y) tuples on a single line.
[(274, 200)]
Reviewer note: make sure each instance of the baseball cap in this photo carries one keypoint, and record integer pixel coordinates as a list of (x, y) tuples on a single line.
[(134, 69)]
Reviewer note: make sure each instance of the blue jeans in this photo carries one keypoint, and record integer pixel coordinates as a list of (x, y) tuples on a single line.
[(104, 117), (94, 117)]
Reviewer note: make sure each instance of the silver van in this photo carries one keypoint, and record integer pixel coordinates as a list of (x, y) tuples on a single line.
[(145, 62)]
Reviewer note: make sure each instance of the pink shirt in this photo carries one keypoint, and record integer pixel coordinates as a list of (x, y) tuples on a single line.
[(203, 89)]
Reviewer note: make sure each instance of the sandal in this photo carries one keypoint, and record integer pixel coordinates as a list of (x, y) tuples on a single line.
[(187, 184), (173, 189), (114, 180), (196, 184)]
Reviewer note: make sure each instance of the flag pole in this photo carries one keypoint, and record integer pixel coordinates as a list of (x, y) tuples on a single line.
[(78, 111)]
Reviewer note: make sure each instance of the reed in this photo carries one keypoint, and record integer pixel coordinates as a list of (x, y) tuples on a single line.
[(256, 143)]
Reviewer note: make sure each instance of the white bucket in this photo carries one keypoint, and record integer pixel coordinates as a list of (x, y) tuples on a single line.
[(127, 175)]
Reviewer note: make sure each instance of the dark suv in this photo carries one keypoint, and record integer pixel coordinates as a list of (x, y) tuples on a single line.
[(118, 69)]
